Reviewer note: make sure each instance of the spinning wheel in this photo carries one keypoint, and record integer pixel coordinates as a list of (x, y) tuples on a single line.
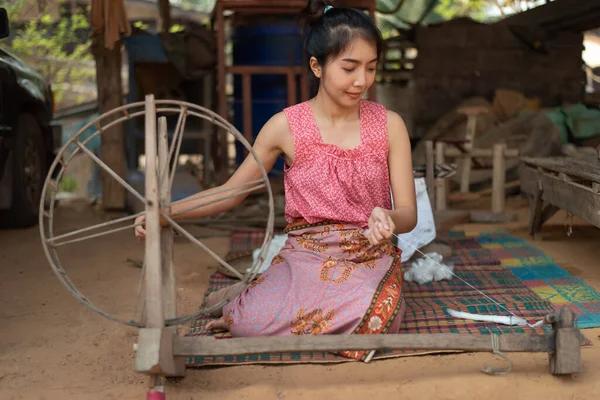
[(161, 161)]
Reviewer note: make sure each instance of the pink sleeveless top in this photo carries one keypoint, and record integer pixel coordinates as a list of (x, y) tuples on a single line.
[(328, 183)]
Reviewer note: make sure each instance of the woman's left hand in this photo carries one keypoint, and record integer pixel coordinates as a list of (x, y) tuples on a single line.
[(381, 227)]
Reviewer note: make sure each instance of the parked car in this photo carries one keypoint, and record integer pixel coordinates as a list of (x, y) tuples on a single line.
[(28, 138)]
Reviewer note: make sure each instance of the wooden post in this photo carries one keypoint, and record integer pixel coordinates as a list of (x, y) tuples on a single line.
[(430, 171), (292, 91), (466, 163), (166, 240), (304, 90), (165, 22), (219, 144), (155, 342), (247, 106), (472, 112), (565, 357), (440, 184), (166, 236), (152, 257), (498, 178), (110, 95)]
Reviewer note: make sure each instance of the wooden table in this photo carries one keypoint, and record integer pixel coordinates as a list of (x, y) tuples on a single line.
[(568, 183)]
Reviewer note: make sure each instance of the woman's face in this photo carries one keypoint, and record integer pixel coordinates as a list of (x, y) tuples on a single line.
[(348, 76)]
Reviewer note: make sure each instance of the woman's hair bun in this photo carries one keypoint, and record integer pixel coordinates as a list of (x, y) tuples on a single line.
[(313, 11)]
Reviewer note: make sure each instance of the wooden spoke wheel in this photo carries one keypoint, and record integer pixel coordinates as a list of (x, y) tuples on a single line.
[(161, 161)]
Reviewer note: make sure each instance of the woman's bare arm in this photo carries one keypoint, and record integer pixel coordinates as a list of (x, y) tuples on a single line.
[(273, 137), (267, 146)]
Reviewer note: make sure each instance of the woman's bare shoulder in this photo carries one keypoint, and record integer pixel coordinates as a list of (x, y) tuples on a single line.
[(396, 127)]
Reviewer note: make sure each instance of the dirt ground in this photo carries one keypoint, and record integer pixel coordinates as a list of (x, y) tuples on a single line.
[(52, 347)]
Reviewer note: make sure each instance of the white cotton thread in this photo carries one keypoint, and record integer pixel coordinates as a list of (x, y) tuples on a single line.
[(471, 286)]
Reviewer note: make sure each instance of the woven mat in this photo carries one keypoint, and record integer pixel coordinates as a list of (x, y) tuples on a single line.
[(538, 272)]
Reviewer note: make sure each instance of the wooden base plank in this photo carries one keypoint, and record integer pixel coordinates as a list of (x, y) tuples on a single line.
[(208, 346)]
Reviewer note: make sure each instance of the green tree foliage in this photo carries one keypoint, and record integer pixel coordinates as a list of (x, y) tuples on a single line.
[(484, 10), (476, 9), (60, 50)]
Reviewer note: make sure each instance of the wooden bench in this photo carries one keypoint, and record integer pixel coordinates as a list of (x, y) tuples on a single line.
[(568, 183)]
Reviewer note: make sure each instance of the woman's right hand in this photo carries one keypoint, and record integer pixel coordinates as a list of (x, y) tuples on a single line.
[(140, 230)]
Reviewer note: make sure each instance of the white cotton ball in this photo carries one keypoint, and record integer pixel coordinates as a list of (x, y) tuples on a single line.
[(428, 269)]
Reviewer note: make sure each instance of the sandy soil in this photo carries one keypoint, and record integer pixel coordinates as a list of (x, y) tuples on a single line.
[(52, 347)]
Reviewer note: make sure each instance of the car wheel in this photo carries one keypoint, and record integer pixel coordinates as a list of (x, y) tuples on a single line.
[(29, 173)]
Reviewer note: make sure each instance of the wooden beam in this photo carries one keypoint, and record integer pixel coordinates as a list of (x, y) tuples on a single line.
[(572, 166), (479, 153), (572, 197), (210, 347), (263, 70)]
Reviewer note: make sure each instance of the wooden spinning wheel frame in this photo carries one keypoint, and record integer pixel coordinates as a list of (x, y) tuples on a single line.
[(157, 190), (160, 351)]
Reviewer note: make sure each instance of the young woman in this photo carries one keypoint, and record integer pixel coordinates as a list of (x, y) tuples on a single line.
[(338, 272)]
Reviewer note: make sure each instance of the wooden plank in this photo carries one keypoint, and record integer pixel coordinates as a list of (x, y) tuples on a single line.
[(210, 347), (263, 70), (166, 236), (574, 167), (173, 366), (453, 152), (576, 199), (152, 257)]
